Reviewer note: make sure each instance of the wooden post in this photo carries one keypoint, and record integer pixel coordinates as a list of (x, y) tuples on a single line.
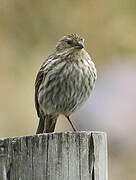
[(54, 156)]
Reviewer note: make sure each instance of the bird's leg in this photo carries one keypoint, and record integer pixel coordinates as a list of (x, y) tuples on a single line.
[(71, 123)]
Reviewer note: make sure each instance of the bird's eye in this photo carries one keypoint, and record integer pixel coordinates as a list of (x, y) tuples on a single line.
[(69, 42)]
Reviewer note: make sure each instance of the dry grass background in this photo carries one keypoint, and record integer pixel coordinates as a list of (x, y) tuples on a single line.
[(29, 31)]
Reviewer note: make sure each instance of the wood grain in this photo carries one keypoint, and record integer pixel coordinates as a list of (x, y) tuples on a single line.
[(54, 156)]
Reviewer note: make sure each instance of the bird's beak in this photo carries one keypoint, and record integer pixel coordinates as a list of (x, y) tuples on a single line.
[(80, 45)]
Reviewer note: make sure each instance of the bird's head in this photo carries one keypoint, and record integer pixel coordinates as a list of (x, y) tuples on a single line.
[(70, 42)]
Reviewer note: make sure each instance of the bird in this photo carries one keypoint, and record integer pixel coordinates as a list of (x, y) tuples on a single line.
[(64, 82)]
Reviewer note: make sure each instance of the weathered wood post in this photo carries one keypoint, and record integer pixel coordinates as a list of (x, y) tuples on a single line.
[(54, 156)]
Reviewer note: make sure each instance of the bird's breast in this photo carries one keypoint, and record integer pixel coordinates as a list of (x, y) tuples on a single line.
[(67, 86)]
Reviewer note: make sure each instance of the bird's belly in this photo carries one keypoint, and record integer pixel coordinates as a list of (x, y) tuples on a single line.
[(67, 92)]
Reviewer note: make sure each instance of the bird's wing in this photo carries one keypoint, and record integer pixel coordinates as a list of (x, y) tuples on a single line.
[(39, 79), (45, 68)]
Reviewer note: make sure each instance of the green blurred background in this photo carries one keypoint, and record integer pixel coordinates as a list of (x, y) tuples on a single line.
[(29, 30)]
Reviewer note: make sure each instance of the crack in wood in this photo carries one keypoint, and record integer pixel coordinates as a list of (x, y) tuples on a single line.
[(93, 175), (9, 172), (91, 156)]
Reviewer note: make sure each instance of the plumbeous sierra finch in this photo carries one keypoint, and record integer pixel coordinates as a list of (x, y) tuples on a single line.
[(64, 82)]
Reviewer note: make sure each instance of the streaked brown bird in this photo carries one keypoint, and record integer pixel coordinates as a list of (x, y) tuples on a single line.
[(64, 82)]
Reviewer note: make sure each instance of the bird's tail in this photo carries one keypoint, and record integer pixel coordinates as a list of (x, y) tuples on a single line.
[(47, 124)]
